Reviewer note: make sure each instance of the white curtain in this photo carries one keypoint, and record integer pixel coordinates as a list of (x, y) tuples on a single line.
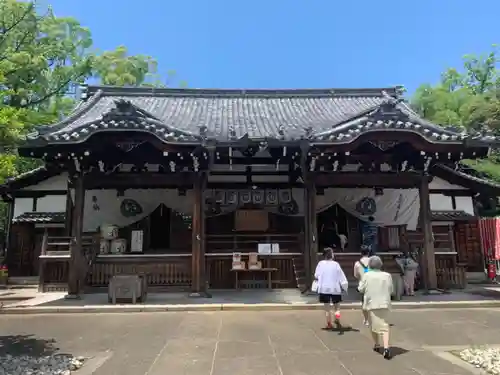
[(393, 207), (103, 206)]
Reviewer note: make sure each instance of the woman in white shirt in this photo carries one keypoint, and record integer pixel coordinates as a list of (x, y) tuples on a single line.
[(331, 283)]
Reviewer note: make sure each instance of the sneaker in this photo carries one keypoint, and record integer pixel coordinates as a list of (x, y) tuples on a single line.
[(387, 354), (337, 324), (377, 349), (366, 323)]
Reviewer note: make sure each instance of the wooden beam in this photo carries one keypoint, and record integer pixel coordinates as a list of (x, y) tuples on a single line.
[(75, 266), (198, 284), (311, 231), (69, 214), (139, 180), (8, 231), (429, 257), (37, 193), (41, 262), (453, 192), (354, 179)]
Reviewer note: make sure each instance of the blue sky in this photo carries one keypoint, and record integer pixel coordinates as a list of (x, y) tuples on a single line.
[(294, 43)]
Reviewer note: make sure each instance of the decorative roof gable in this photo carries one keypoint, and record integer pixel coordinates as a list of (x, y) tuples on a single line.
[(393, 114), (194, 115)]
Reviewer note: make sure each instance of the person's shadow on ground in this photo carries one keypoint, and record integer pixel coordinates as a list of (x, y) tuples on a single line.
[(341, 329)]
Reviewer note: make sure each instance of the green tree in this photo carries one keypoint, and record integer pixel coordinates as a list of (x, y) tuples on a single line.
[(469, 98), (42, 59)]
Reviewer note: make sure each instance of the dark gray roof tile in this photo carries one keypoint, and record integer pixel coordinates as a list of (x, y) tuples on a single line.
[(41, 218), (256, 113), (451, 216), (331, 115)]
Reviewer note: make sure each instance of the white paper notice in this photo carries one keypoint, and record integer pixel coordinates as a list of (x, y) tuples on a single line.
[(136, 241), (264, 248)]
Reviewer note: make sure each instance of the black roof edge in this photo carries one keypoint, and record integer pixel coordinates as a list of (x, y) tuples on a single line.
[(477, 185), (30, 178), (91, 90)]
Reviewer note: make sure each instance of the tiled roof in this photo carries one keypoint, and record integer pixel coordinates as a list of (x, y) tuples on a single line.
[(192, 115), (29, 178), (41, 217), (473, 183), (395, 115), (451, 216)]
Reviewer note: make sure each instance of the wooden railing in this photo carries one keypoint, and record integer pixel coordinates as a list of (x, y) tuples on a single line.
[(55, 275), (443, 241), (160, 270), (55, 255), (246, 242), (452, 277), (219, 275), (61, 246)]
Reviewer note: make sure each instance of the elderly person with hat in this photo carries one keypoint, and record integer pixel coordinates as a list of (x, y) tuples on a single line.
[(376, 287)]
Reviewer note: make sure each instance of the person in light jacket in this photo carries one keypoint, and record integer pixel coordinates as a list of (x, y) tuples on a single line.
[(360, 268), (376, 287), (410, 273), (331, 282)]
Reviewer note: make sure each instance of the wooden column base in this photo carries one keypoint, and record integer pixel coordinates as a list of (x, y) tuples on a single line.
[(436, 292), (200, 295), (72, 297)]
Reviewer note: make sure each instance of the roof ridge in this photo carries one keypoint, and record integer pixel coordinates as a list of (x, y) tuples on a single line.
[(468, 176), (80, 109), (214, 92)]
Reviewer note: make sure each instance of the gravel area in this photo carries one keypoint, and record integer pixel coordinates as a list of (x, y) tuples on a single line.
[(486, 358), (61, 364)]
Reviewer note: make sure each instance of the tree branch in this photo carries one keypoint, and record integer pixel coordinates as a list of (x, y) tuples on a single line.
[(28, 10)]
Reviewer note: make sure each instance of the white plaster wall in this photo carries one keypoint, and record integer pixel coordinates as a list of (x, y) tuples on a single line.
[(438, 183), (59, 182), (22, 205), (440, 202), (51, 203), (465, 204)]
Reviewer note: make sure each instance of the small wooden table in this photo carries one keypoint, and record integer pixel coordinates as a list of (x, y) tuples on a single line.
[(269, 272)]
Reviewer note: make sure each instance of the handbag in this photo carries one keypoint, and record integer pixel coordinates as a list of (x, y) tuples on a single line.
[(314, 286)]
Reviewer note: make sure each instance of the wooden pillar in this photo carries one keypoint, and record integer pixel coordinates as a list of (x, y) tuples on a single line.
[(10, 217), (42, 261), (69, 213), (76, 261), (429, 257), (198, 277), (310, 231)]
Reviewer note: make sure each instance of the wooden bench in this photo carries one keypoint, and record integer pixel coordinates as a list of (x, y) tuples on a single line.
[(268, 271)]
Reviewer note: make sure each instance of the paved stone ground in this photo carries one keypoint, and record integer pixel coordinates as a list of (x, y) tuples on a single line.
[(247, 343), (287, 296)]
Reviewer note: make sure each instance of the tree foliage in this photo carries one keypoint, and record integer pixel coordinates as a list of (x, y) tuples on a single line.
[(42, 59), (469, 98)]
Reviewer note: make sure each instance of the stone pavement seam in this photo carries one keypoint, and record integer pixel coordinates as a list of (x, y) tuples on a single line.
[(315, 334), (275, 356), (160, 353), (460, 363), (93, 362), (235, 307), (219, 329)]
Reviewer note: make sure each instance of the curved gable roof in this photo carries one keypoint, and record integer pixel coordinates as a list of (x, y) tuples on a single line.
[(192, 115)]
